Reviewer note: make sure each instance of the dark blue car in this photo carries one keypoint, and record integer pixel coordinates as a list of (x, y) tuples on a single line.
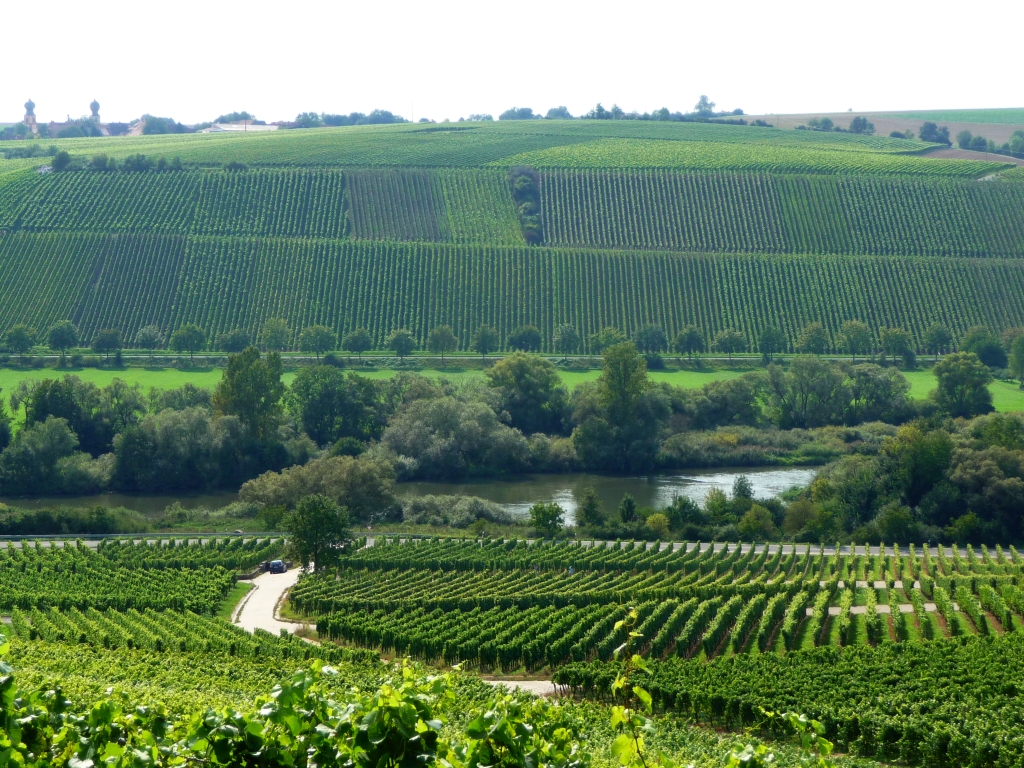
[(277, 566)]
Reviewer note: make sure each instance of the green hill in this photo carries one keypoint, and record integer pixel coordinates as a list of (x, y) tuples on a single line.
[(415, 226)]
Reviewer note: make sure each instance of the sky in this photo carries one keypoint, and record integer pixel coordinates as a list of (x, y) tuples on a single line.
[(193, 60)]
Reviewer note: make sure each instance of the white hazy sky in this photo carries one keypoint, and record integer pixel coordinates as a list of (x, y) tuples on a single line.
[(195, 59)]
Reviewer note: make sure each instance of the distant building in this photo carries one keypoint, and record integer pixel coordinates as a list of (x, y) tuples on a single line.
[(240, 126), (30, 116)]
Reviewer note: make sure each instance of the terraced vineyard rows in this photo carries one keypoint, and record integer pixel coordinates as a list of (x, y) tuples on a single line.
[(472, 602), (755, 156), (635, 209), (104, 281), (295, 203), (734, 212), (160, 631), (463, 144), (939, 703), (121, 575)]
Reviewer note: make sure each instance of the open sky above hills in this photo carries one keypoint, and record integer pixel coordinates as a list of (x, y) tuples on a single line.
[(456, 58)]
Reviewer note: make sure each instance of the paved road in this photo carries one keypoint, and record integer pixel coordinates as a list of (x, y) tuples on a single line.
[(259, 608)]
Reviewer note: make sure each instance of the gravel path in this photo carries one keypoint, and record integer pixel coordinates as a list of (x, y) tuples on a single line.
[(258, 608), (536, 687)]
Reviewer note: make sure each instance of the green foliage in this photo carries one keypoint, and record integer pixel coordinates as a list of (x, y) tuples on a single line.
[(531, 392), (441, 340), (485, 340), (251, 389), (357, 341), (317, 339), (188, 338), (276, 335), (401, 342), (546, 518), (963, 385), (319, 531), (62, 336)]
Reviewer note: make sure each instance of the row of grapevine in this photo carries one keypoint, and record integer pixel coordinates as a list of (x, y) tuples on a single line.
[(731, 212), (121, 575), (618, 209), (126, 282), (930, 704), (292, 203), (162, 631)]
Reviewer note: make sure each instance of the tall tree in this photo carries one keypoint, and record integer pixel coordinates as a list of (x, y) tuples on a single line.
[(1016, 362), (20, 338), (855, 337), (189, 338), (275, 335), (105, 341), (962, 385), (251, 389), (937, 339), (358, 341), (813, 339), (485, 340), (651, 339), (319, 531), (441, 340), (688, 341), (567, 340), (771, 342), (622, 382), (401, 342), (317, 339), (525, 339), (730, 341), (234, 340), (62, 337), (899, 343), (149, 338)]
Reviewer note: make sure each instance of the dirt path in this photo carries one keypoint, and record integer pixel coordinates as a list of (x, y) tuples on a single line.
[(536, 687), (259, 608)]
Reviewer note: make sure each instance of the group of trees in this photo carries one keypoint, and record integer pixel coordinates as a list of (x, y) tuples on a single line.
[(1013, 147), (349, 438), (860, 125)]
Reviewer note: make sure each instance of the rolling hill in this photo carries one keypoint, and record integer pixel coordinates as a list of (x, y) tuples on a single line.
[(415, 226)]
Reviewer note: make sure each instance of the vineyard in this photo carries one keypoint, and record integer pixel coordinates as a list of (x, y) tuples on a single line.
[(129, 281), (160, 631), (505, 143), (122, 575), (758, 156), (506, 604), (664, 210), (633, 209)]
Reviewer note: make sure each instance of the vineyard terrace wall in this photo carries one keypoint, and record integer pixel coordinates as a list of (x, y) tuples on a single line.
[(220, 283), (628, 209)]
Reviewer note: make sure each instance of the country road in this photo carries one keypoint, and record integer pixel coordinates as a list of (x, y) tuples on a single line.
[(258, 608)]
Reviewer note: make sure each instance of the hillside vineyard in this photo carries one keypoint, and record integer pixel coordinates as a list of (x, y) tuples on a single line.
[(716, 225)]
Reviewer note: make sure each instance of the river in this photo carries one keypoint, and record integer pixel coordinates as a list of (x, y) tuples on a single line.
[(515, 495)]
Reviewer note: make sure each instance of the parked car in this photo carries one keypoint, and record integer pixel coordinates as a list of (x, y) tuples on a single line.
[(278, 566)]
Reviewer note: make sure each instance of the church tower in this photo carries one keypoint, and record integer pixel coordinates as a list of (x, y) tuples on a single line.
[(30, 116)]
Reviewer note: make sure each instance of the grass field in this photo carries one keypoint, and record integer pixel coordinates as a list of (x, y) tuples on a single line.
[(1006, 396)]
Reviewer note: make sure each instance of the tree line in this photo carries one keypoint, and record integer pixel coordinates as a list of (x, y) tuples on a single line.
[(854, 338)]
